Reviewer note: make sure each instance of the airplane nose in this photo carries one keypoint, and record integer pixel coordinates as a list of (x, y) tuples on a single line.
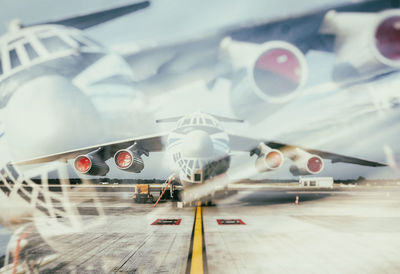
[(48, 115), (197, 144)]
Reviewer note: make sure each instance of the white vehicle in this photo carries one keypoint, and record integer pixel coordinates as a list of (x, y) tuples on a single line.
[(316, 182)]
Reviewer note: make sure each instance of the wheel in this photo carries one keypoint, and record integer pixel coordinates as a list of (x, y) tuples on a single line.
[(152, 198), (176, 195)]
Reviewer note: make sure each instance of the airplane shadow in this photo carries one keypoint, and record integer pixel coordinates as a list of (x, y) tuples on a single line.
[(263, 198)]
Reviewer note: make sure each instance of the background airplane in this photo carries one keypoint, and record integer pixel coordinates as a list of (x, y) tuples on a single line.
[(171, 64)]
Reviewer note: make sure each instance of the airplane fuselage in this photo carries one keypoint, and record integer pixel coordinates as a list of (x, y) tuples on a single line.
[(198, 148)]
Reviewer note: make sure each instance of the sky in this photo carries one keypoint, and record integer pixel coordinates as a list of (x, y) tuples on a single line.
[(177, 20)]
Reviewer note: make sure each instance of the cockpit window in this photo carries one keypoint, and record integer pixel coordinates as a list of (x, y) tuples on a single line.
[(30, 51), (14, 60), (186, 122), (54, 44), (194, 121)]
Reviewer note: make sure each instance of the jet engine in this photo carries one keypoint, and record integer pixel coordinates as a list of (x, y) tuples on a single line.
[(268, 159), (130, 159), (265, 76), (305, 163), (274, 71), (366, 44), (91, 164)]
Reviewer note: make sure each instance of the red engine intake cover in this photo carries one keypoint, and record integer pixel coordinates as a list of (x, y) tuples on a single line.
[(279, 70), (387, 38)]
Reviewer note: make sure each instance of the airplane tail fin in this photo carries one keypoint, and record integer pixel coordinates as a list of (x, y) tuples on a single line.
[(92, 19)]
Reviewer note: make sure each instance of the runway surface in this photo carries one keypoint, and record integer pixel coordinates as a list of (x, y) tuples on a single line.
[(329, 231)]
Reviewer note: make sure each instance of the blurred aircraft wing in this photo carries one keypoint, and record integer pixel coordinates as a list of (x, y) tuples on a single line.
[(150, 143), (199, 58), (89, 20), (242, 143)]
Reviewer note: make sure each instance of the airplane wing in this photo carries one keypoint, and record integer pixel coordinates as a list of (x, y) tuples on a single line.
[(89, 20), (200, 57), (150, 143), (245, 170), (242, 143)]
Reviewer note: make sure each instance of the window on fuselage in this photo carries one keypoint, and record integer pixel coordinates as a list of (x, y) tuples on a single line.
[(1, 67), (14, 59), (32, 54), (54, 44)]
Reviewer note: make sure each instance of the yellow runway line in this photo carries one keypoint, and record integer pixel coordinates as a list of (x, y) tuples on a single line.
[(197, 250)]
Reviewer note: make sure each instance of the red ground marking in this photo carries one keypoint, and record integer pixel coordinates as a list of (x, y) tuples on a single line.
[(167, 222), (230, 222)]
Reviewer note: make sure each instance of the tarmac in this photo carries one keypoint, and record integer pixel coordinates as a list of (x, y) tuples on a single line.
[(349, 230)]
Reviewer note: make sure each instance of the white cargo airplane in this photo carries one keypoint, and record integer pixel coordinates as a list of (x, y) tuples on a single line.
[(198, 149)]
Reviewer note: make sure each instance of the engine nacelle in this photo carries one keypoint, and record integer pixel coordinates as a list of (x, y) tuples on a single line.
[(275, 70), (268, 159), (91, 164), (130, 159), (366, 44), (305, 163)]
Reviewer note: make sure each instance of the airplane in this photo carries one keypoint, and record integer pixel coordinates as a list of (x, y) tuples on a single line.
[(54, 67), (198, 149), (264, 61)]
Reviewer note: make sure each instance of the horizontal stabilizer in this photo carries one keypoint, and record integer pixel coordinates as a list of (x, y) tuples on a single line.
[(219, 118), (169, 120), (227, 119)]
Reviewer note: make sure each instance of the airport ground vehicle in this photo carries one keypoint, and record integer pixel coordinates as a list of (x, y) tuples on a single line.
[(142, 194)]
